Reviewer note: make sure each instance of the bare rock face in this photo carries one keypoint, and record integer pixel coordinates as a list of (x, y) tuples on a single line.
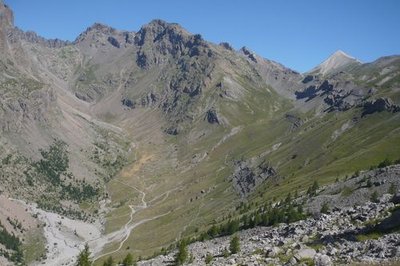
[(313, 90), (308, 78), (248, 175), (113, 41), (16, 35), (6, 22), (336, 93), (379, 105), (128, 103), (159, 39), (6, 16), (103, 37), (249, 54), (20, 111), (149, 100), (212, 116)]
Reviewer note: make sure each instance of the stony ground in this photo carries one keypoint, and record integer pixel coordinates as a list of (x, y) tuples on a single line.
[(327, 240), (344, 235)]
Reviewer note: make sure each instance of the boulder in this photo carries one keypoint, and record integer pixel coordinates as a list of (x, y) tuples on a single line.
[(305, 253), (322, 260), (128, 103), (273, 252), (212, 116)]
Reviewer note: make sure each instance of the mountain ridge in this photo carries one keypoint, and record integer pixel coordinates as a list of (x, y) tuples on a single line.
[(160, 132)]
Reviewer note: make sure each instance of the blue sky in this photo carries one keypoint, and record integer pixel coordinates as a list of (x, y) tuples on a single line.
[(298, 34)]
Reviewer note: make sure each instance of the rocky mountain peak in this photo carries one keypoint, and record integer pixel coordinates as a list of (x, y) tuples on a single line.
[(158, 40), (334, 62), (160, 30), (6, 15), (97, 29), (248, 53)]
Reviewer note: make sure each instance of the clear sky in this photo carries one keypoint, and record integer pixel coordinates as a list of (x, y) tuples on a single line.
[(298, 34)]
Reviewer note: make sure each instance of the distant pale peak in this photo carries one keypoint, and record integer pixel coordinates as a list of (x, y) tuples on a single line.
[(337, 60), (340, 53)]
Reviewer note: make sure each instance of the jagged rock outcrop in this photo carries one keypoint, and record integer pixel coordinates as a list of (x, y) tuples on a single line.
[(226, 45), (159, 39), (172, 131), (100, 36), (338, 95), (308, 78), (249, 54), (128, 103), (17, 35), (313, 91), (294, 120), (113, 41), (379, 105), (149, 100), (250, 174), (212, 117)]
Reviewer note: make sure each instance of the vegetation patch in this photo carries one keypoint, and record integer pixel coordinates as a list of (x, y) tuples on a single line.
[(12, 244)]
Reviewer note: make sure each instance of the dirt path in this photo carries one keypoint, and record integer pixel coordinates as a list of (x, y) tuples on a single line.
[(67, 237), (128, 227)]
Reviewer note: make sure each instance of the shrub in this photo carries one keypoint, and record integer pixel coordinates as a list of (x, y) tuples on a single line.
[(325, 208), (392, 189), (384, 163), (225, 253), (234, 246), (374, 196), (209, 258), (312, 190), (182, 254), (109, 262), (346, 191), (128, 260), (84, 257)]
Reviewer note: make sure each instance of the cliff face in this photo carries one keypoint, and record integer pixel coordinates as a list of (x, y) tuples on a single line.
[(6, 23)]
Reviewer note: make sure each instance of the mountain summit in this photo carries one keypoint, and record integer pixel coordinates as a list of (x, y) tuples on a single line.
[(336, 61), (129, 141)]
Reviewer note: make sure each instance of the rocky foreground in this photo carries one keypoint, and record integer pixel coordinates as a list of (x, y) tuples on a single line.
[(367, 233), (327, 240)]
